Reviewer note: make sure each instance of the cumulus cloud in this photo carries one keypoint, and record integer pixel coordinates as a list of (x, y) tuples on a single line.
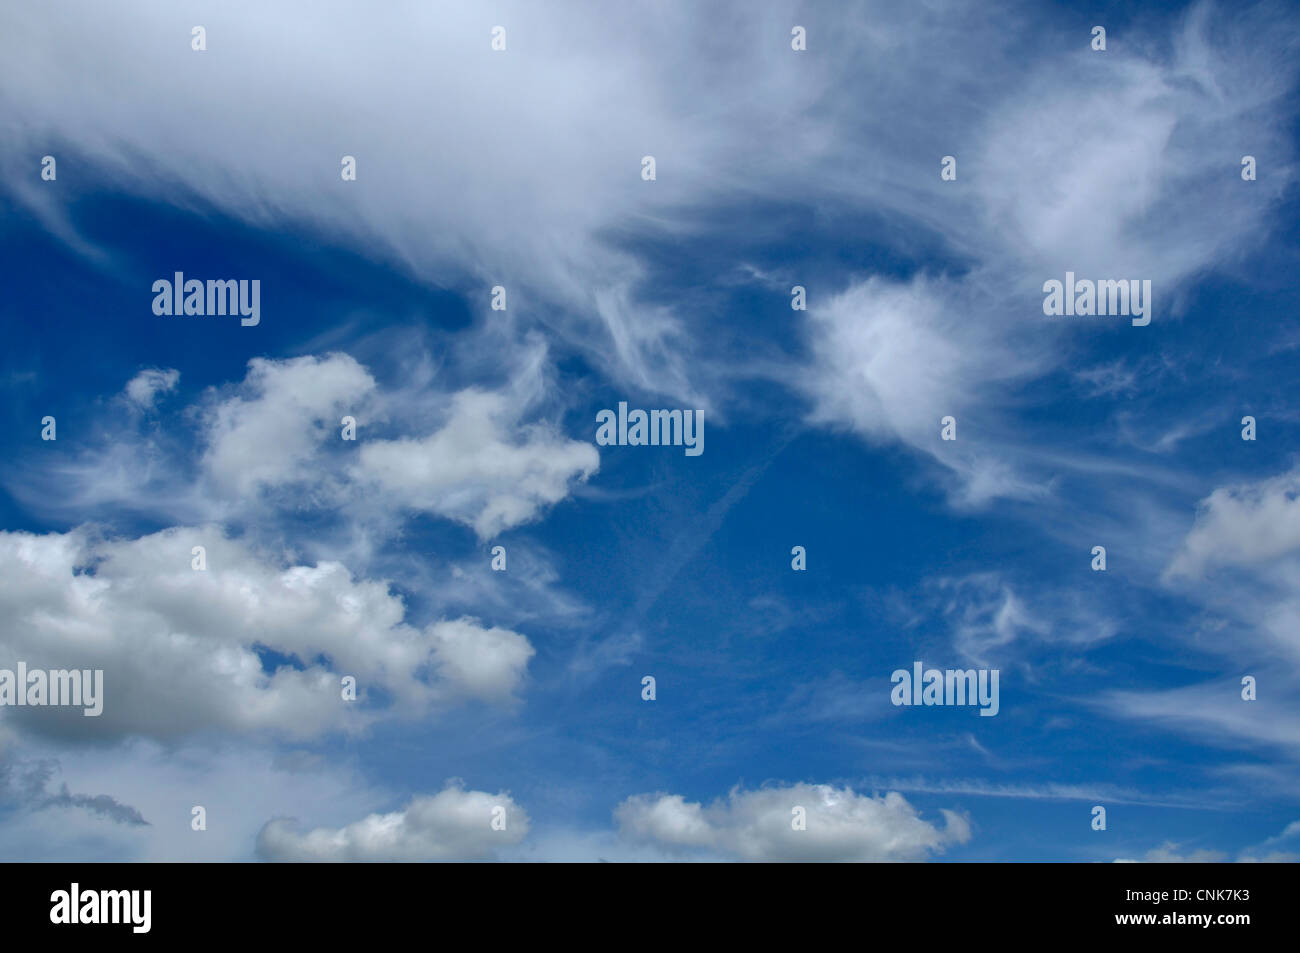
[(475, 470), (1248, 525), (482, 465), (268, 432), (454, 824), (481, 663), (272, 442), (248, 646), (757, 825)]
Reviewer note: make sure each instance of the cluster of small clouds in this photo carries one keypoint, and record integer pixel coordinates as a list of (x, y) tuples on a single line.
[(750, 826), (454, 824), (1171, 852), (181, 649), (474, 469), (253, 646), (143, 389), (482, 465)]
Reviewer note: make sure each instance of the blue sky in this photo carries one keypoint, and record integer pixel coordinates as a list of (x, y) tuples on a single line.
[(476, 428)]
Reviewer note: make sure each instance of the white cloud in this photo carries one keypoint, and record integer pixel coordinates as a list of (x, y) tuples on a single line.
[(536, 185), (1239, 562), (481, 465), (454, 824), (144, 388), (272, 443), (1108, 379), (517, 177), (238, 784), (1034, 199), (893, 359), (1050, 791), (481, 468), (1127, 205), (481, 663), (270, 431), (1248, 525), (757, 825), (179, 647)]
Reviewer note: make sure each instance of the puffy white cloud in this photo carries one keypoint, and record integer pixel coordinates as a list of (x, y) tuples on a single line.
[(668, 818), (454, 824), (272, 442), (481, 467), (144, 388), (180, 648), (1248, 525), (756, 825), (480, 663), (270, 431)]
